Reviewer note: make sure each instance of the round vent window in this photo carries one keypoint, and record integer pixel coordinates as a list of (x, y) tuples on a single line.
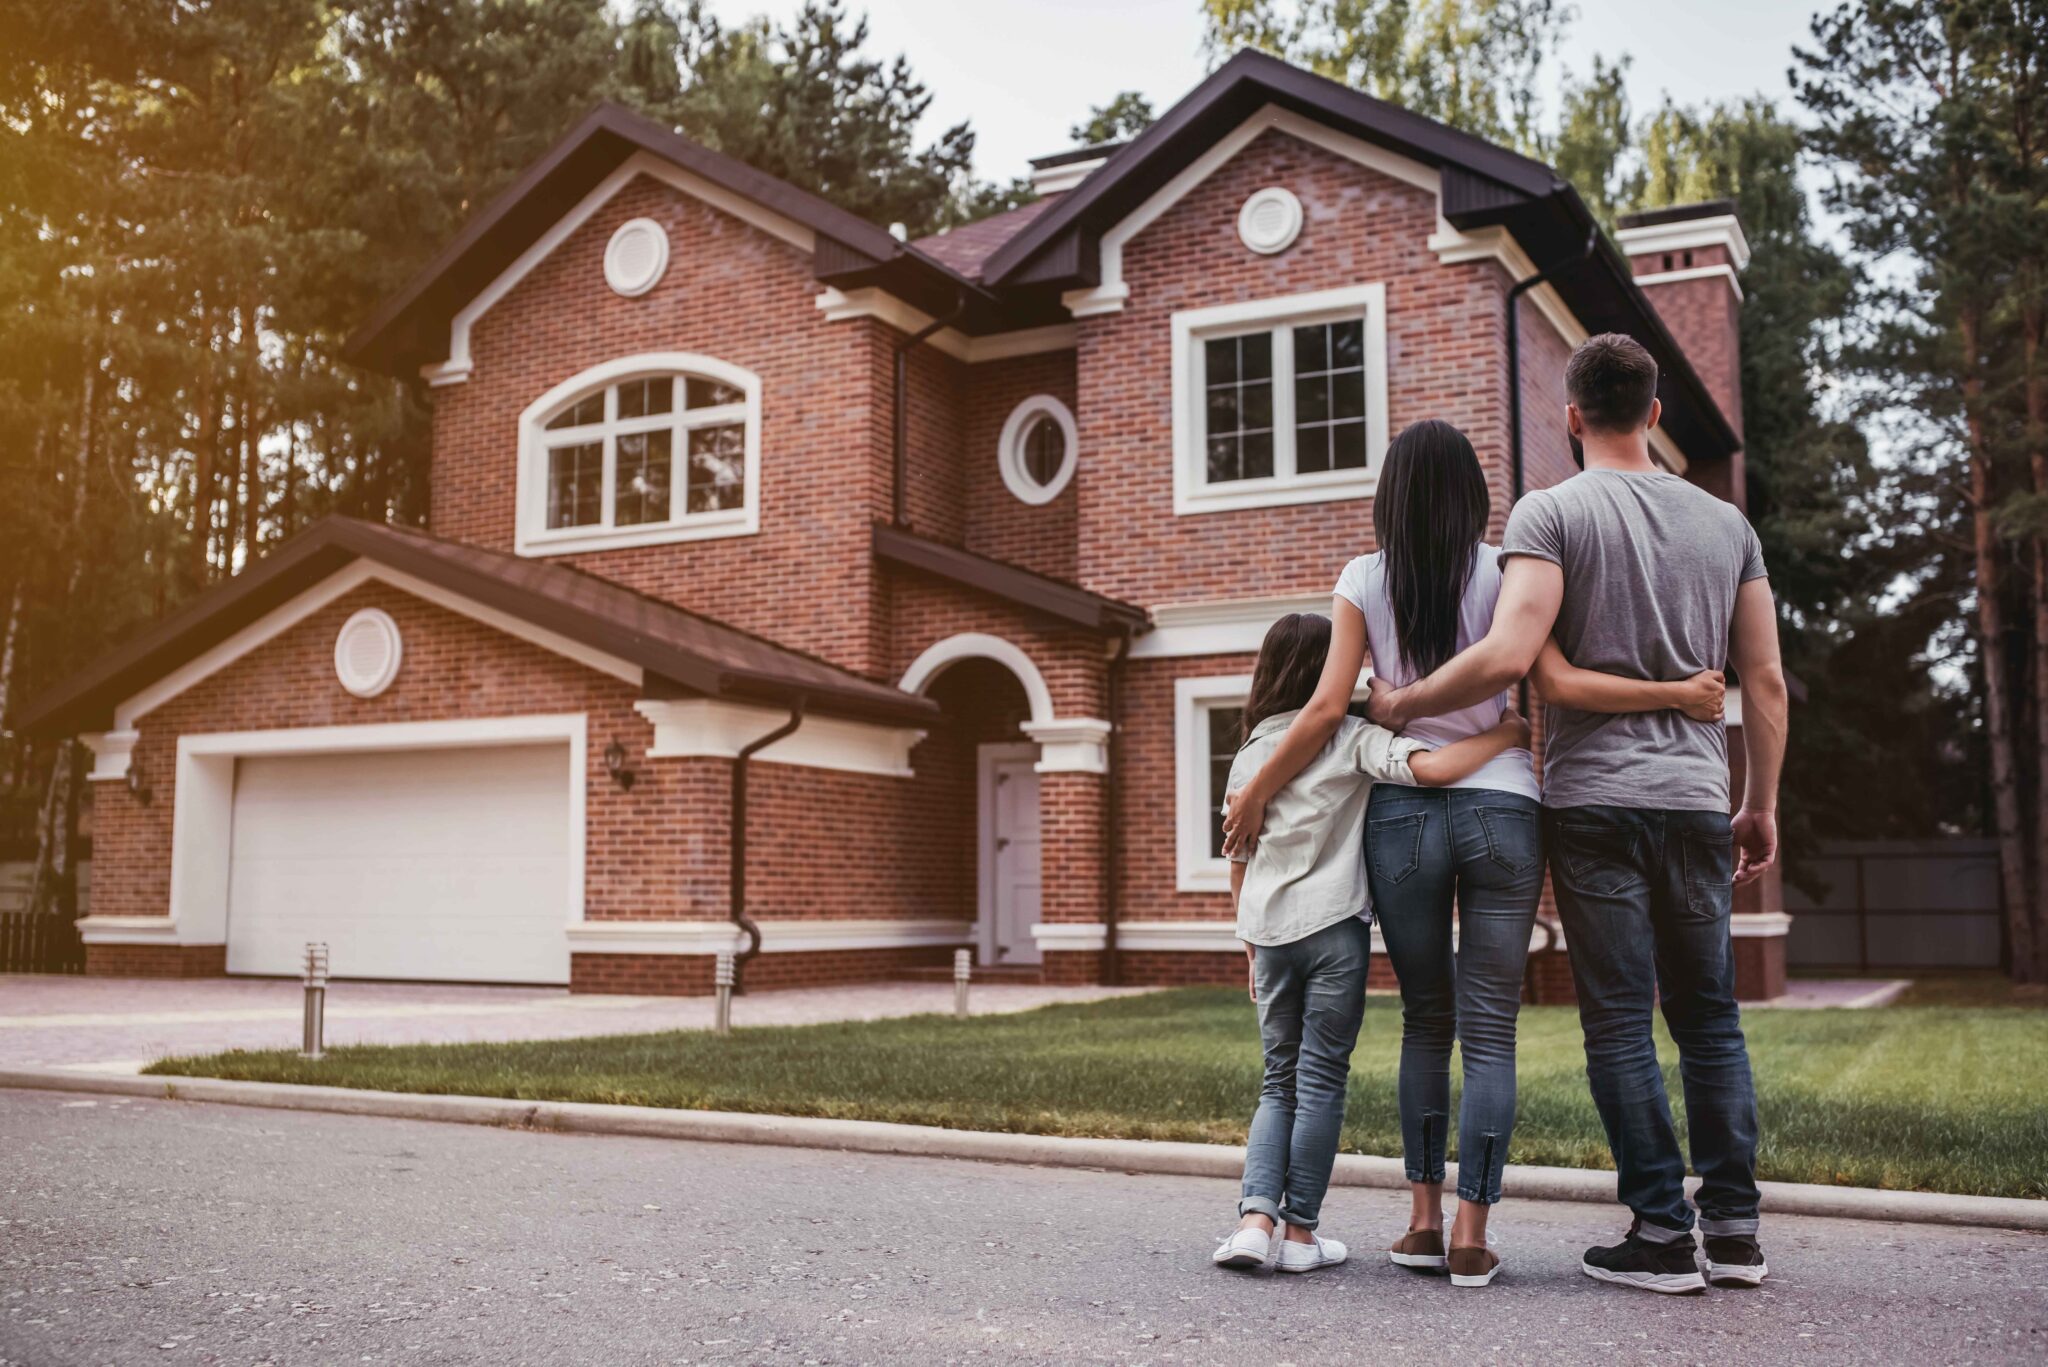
[(1038, 449), (636, 257), (1270, 220), (366, 653)]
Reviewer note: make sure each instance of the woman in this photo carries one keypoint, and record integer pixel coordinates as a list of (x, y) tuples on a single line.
[(1426, 595)]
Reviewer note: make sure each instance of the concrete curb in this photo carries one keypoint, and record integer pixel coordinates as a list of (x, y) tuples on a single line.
[(868, 1136)]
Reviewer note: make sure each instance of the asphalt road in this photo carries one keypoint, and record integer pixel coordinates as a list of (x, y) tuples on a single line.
[(161, 1232)]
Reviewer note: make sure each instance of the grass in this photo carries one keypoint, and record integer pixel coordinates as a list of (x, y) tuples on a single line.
[(1915, 1098)]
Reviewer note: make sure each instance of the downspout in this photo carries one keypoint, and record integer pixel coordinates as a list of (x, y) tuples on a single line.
[(1112, 963), (1514, 320), (900, 436), (737, 878)]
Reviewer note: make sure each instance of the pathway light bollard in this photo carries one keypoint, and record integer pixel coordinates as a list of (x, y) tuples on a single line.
[(963, 969), (721, 982), (316, 1000)]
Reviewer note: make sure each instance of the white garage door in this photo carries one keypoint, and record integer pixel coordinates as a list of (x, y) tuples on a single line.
[(437, 864)]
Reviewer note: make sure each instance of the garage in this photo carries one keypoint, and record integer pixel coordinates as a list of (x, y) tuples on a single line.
[(444, 864)]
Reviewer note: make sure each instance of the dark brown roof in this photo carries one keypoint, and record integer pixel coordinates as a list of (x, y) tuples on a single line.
[(1069, 604), (970, 244), (681, 651), (1677, 213)]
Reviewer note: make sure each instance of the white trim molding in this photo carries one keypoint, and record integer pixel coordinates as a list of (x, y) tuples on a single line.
[(1191, 937), (969, 645), (112, 752), (1010, 449), (1070, 745), (1722, 230), (1762, 925), (1723, 269), (1058, 179), (1192, 491), (1195, 869), (460, 365), (202, 821), (532, 536), (352, 576), (1111, 294), (841, 306), (777, 936), (707, 728), (1234, 626), (1070, 937), (129, 930)]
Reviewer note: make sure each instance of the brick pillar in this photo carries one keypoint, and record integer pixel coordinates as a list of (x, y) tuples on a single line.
[(1070, 879)]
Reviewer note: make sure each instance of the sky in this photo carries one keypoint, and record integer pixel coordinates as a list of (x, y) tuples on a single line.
[(1022, 72)]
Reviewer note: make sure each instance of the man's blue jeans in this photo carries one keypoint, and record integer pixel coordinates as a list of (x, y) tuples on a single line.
[(1429, 850), (1644, 896), (1311, 1001)]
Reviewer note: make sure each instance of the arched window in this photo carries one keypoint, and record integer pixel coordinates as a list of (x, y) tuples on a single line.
[(645, 449)]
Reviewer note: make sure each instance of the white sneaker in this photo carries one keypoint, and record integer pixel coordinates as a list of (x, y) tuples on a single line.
[(1308, 1257), (1244, 1248)]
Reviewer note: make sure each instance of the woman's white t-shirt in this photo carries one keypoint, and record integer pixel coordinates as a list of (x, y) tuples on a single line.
[(1364, 585)]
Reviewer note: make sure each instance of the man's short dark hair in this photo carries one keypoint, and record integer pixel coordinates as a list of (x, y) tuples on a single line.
[(1612, 379)]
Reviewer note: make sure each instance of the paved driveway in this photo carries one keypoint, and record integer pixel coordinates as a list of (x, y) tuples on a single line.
[(119, 1024), (138, 1231)]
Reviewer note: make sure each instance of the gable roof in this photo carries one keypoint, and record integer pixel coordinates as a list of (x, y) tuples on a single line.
[(680, 651)]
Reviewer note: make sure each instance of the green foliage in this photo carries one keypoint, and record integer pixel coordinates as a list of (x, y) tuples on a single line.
[(1940, 1099), (1123, 118)]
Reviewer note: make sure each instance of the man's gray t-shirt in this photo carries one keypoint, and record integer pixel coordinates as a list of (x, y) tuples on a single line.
[(1651, 565)]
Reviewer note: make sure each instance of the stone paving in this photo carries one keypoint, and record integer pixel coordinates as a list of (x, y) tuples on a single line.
[(120, 1024)]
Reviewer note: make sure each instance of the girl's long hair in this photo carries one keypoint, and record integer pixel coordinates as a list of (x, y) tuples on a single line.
[(1428, 516), (1290, 662)]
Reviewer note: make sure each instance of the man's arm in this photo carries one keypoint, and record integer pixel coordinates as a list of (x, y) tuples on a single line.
[(1531, 591), (1753, 650)]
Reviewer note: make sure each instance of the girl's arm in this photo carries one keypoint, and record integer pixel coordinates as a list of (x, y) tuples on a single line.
[(1584, 690), (1463, 758), (1308, 734), (1251, 956)]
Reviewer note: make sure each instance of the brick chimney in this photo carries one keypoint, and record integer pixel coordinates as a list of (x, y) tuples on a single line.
[(1687, 259)]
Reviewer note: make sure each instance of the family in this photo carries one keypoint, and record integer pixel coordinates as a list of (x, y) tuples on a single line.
[(1622, 593)]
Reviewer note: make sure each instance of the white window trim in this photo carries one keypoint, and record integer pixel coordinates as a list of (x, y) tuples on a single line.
[(1010, 449), (1195, 869), (532, 536), (1192, 493)]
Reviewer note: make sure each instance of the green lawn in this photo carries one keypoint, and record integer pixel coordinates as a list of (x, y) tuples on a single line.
[(1932, 1098)]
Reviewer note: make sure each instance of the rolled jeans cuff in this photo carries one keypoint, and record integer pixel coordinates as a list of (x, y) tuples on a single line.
[(1713, 1229), (1259, 1205), (1660, 1234)]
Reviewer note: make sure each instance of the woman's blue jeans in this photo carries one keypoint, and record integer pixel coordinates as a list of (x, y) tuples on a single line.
[(1481, 851), (1311, 1002)]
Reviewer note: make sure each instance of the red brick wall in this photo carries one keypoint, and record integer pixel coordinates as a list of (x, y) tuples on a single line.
[(1705, 316), (1039, 537), (689, 975), (735, 293), (1445, 341)]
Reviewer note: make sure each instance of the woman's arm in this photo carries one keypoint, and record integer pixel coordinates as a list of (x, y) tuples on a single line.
[(1585, 690), (1464, 758), (1311, 731)]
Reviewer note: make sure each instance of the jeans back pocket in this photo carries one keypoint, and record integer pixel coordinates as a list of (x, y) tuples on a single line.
[(1709, 874), (1600, 860), (1393, 845), (1512, 838)]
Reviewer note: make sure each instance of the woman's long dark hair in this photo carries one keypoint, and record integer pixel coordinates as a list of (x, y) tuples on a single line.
[(1428, 516), (1290, 662)]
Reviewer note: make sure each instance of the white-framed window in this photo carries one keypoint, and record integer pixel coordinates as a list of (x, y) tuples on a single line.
[(1206, 713), (641, 450), (1038, 449), (1279, 401)]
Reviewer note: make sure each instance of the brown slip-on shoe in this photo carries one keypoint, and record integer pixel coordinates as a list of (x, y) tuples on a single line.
[(1473, 1266), (1423, 1248)]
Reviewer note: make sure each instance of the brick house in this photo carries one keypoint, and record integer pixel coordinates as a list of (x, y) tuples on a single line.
[(994, 520)]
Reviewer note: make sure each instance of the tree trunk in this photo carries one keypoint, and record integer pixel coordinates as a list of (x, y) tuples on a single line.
[(2005, 798), (198, 557), (53, 888), (2036, 393)]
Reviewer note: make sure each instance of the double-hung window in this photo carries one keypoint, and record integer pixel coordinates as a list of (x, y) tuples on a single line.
[(1207, 713), (1279, 401), (639, 451)]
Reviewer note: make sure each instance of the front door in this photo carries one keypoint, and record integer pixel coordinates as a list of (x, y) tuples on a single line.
[(1009, 854)]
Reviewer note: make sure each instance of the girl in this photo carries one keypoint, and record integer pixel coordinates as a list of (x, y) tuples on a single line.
[(1301, 909), (1474, 847)]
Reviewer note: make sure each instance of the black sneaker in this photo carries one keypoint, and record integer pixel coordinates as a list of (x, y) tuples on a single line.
[(1735, 1260), (1670, 1268)]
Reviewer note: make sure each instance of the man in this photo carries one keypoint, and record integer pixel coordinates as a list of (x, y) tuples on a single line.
[(1639, 573)]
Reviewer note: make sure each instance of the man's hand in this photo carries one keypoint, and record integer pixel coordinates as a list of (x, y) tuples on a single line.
[(1704, 696), (1756, 844), (1251, 973), (1380, 705), (1242, 820), (1519, 725)]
